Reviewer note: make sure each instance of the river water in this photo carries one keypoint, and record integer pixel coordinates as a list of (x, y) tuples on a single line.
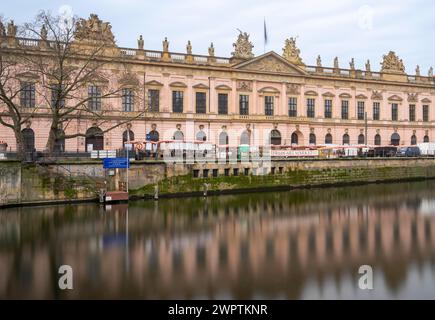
[(303, 244)]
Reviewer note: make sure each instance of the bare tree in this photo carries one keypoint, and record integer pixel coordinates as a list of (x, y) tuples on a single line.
[(66, 56)]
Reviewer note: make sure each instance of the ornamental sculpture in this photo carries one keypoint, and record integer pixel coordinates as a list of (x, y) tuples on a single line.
[(291, 53), (94, 30), (352, 64), (392, 63), (2, 30), (189, 47), (243, 47), (368, 67), (319, 61), (211, 50), (140, 42), (12, 29), (430, 72)]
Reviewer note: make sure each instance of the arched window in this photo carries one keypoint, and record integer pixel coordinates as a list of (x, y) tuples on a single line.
[(153, 135), (245, 138), (328, 138), (426, 139), (59, 142), (312, 139), (346, 139), (297, 136), (395, 139), (29, 139), (361, 139), (275, 137), (127, 136), (201, 136), (377, 140), (223, 138), (413, 140), (94, 139), (178, 135)]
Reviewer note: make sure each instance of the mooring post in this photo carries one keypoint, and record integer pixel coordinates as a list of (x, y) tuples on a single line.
[(156, 192)]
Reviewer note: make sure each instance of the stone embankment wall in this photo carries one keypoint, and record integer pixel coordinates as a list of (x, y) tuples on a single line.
[(75, 181)]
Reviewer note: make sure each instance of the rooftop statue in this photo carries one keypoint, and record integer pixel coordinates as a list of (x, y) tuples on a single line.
[(417, 71), (336, 66), (12, 29), (189, 47), (430, 73), (291, 53), (140, 42), (368, 67), (319, 61), (165, 45), (2, 30), (243, 47), (211, 50), (44, 32), (392, 64), (352, 64), (94, 30)]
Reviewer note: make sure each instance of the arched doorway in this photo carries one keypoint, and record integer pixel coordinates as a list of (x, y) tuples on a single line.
[(426, 139), (328, 138), (377, 140), (29, 139), (275, 137), (361, 139), (245, 137), (413, 140), (312, 139), (94, 139), (59, 142), (395, 139), (346, 139), (297, 137)]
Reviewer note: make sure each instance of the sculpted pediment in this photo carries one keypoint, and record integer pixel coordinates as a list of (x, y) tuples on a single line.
[(270, 62)]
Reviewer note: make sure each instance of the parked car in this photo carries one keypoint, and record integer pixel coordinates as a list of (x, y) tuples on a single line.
[(408, 152), (389, 151)]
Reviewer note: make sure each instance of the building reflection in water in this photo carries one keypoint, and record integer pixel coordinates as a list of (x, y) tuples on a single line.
[(290, 245)]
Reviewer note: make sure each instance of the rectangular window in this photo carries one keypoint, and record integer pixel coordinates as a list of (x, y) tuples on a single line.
[(223, 103), (328, 109), (360, 110), (310, 108), (376, 110), (345, 109), (177, 101), (127, 100), (394, 111), (292, 107), (201, 102), (27, 95), (268, 106), (244, 104), (425, 113), (56, 96), (94, 93), (412, 112), (153, 100)]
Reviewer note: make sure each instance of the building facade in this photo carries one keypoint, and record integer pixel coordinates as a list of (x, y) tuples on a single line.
[(277, 98)]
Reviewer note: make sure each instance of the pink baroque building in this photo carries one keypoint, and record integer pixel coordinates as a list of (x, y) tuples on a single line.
[(197, 97)]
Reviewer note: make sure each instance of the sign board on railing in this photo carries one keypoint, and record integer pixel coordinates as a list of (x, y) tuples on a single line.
[(102, 154), (113, 163), (294, 153)]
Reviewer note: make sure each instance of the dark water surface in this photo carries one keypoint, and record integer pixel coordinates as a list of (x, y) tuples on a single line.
[(305, 244)]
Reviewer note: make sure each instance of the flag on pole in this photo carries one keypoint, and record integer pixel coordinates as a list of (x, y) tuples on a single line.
[(265, 33)]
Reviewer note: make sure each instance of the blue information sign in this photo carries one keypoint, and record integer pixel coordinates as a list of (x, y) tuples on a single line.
[(113, 163)]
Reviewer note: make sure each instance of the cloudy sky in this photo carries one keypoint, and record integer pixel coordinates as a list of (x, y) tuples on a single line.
[(360, 29)]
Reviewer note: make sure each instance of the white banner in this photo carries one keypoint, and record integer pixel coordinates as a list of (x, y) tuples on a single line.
[(294, 153)]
